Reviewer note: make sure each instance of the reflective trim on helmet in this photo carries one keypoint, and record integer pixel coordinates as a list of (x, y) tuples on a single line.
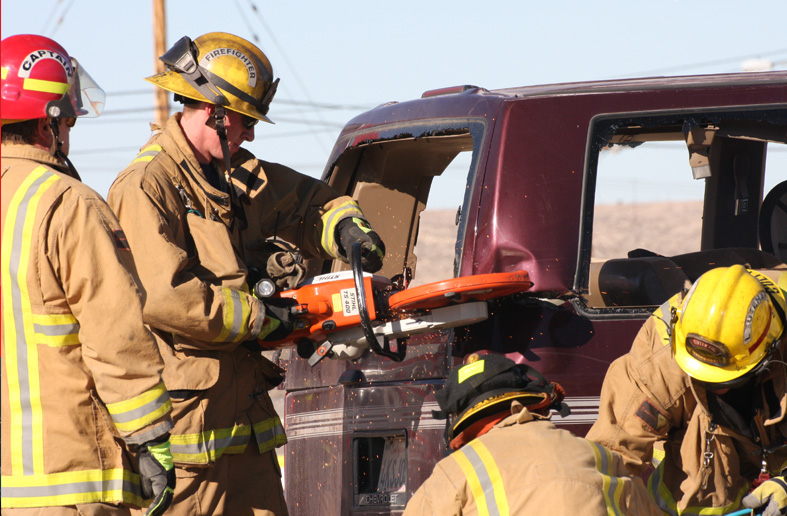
[(3, 72), (57, 88), (707, 351)]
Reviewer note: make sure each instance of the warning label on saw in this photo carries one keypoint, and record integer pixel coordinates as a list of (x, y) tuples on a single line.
[(349, 302)]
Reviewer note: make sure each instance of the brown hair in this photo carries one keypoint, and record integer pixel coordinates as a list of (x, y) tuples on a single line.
[(19, 132)]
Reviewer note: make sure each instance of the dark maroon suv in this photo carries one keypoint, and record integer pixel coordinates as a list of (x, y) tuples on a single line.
[(611, 195)]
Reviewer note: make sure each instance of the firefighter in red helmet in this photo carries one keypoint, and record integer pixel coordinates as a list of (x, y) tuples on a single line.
[(85, 414)]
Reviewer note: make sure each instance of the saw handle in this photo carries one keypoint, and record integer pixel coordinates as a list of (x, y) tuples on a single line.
[(366, 323)]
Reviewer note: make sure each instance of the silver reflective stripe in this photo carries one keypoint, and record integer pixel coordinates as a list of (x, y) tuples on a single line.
[(604, 468), (17, 304), (144, 410), (268, 438), (483, 478), (237, 315), (92, 489), (345, 210), (56, 330), (209, 447)]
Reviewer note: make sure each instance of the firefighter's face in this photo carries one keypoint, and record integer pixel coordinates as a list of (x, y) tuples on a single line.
[(239, 129)]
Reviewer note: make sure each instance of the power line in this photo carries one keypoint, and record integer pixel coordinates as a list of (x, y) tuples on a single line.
[(287, 102), (51, 16), (62, 17), (705, 64), (293, 72)]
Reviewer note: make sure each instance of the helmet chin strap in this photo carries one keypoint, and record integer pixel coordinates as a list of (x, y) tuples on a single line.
[(218, 115), (56, 148)]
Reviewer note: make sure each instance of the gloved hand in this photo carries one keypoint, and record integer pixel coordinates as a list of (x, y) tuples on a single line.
[(277, 323), (157, 474), (352, 230), (770, 495)]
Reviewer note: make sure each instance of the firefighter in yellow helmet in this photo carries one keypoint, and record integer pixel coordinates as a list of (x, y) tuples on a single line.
[(706, 378), (508, 457), (81, 375), (197, 209)]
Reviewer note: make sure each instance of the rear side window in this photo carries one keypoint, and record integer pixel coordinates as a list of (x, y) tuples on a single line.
[(669, 197)]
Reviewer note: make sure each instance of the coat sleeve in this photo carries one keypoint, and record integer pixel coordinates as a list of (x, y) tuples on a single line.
[(297, 208), (643, 396), (87, 251), (177, 300), (435, 497)]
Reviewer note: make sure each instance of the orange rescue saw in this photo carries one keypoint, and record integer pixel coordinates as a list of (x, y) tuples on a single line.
[(341, 314)]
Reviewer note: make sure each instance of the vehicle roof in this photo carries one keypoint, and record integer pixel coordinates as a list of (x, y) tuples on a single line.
[(457, 104)]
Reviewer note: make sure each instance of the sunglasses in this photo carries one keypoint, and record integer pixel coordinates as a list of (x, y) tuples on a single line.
[(248, 122)]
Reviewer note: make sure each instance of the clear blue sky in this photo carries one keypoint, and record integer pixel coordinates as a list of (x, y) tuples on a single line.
[(336, 59)]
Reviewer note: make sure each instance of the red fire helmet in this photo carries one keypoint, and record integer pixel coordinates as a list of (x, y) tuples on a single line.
[(39, 79)]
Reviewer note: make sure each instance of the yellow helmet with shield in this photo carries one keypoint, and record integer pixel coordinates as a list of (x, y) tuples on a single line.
[(727, 324), (222, 69)]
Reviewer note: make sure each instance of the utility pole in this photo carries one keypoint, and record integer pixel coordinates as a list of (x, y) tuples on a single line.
[(159, 47)]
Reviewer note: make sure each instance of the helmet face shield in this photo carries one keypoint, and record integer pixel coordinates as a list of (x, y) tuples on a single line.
[(84, 98)]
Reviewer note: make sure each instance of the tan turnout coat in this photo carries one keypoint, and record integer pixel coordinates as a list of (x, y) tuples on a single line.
[(192, 259), (646, 399), (526, 465), (81, 375)]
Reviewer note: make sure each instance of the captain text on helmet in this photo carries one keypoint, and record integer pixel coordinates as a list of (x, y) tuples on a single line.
[(706, 377), (199, 210), (510, 459), (85, 413)]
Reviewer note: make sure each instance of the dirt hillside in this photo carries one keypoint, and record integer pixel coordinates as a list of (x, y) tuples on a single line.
[(665, 228)]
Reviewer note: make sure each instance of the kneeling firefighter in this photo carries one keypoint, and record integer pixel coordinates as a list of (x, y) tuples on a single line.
[(509, 458)]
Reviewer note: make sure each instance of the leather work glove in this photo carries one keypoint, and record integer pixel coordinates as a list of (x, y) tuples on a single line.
[(157, 474), (771, 496), (277, 323), (352, 230)]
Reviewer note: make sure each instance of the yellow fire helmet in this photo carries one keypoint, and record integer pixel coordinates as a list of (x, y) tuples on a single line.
[(727, 324), (221, 69)]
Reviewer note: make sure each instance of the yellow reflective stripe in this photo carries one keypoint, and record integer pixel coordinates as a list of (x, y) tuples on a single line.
[(205, 447), (21, 352), (269, 434), (56, 330), (494, 475), (331, 219), (236, 316), (135, 413), (71, 488), (472, 481), (147, 154), (484, 479), (611, 484), (55, 87), (666, 502), (3, 72), (658, 456)]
